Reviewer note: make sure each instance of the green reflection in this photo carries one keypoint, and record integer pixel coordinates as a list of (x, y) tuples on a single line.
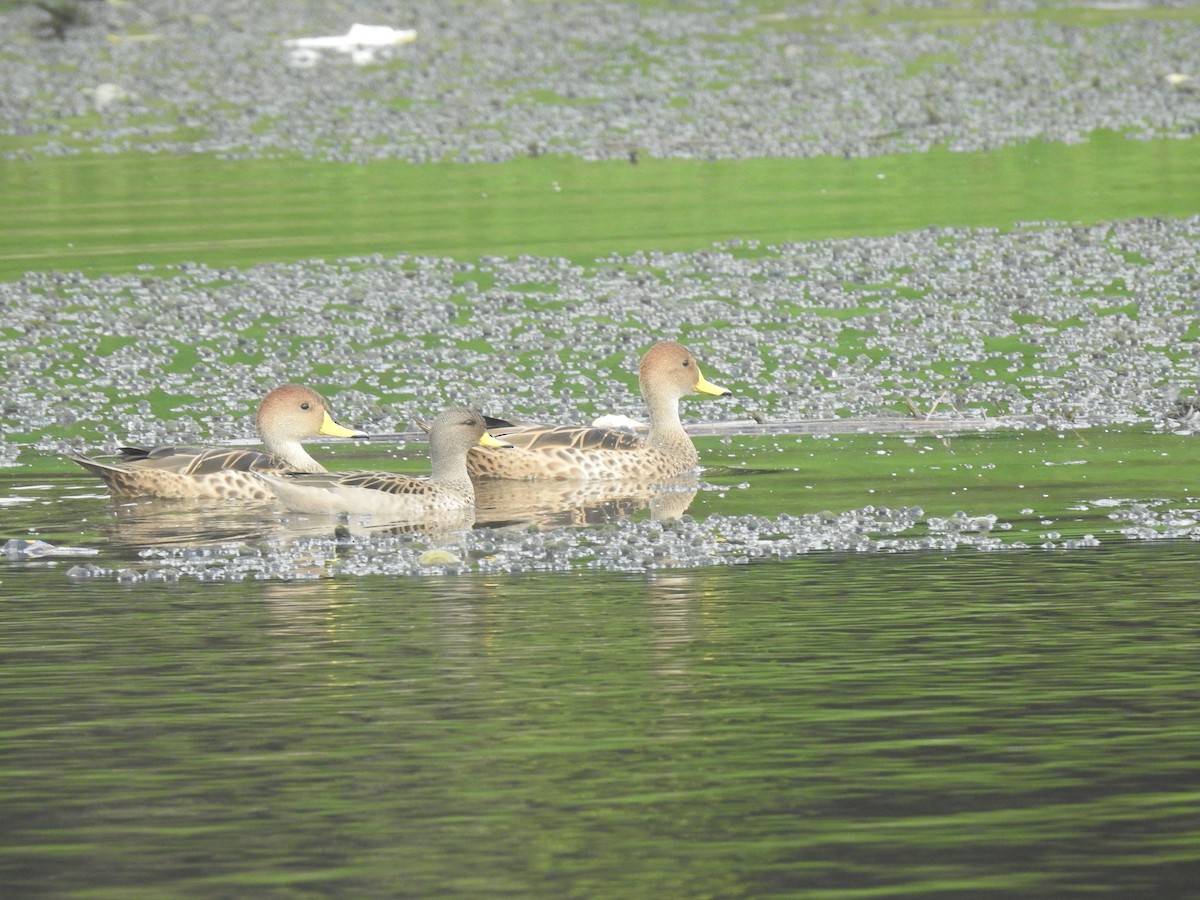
[(875, 725), (1043, 487), (114, 213)]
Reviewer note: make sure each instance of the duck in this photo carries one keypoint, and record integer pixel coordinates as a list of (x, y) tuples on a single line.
[(667, 373), (389, 495), (286, 416)]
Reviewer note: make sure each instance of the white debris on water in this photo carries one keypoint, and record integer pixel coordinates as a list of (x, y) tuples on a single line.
[(625, 546), (33, 548)]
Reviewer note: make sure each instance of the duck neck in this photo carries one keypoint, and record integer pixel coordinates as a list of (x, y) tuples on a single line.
[(293, 453), (450, 470), (666, 430)]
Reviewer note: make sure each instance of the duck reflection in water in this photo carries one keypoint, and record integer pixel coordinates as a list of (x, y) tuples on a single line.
[(518, 505), (161, 522), (498, 505), (547, 505), (158, 522)]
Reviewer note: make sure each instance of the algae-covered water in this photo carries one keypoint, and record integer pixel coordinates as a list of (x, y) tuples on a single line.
[(924, 624)]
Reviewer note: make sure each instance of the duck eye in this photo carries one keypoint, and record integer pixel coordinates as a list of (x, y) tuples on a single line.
[(687, 362), (304, 405)]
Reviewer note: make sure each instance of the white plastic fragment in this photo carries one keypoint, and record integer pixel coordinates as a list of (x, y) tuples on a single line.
[(361, 42)]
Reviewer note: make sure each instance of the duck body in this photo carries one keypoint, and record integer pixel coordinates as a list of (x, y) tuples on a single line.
[(286, 416), (582, 452), (180, 472), (387, 495), (667, 373), (447, 490)]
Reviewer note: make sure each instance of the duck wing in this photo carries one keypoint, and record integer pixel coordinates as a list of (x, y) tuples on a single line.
[(576, 437), (183, 460)]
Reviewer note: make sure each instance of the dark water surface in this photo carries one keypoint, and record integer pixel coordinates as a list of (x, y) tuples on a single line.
[(1013, 724), (1018, 724)]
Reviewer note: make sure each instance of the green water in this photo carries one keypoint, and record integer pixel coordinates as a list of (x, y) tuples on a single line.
[(112, 214), (832, 725), (839, 726), (1043, 486)]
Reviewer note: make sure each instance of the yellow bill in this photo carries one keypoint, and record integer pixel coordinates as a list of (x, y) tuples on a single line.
[(333, 429), (704, 386)]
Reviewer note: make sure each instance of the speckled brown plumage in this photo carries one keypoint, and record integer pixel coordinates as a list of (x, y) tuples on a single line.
[(286, 416), (392, 496), (668, 372)]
